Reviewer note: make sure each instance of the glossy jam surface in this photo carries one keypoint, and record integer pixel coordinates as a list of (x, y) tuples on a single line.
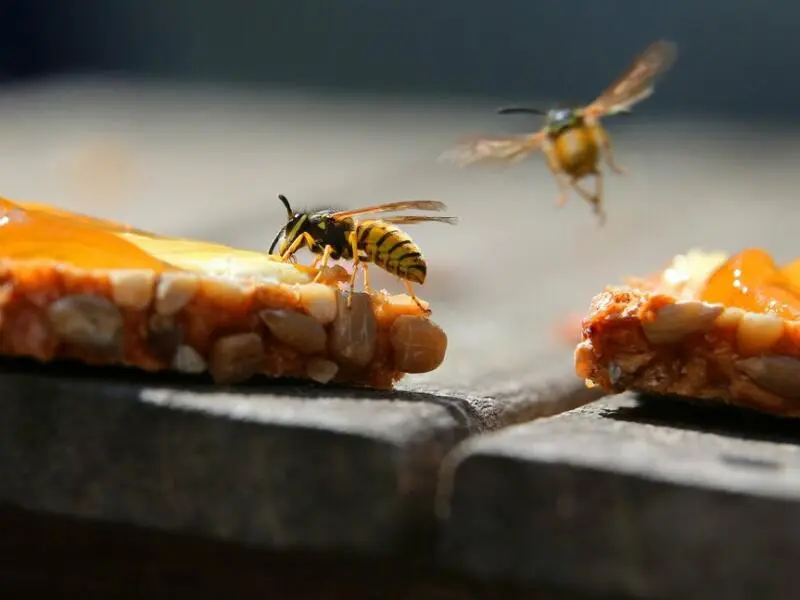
[(751, 280), (37, 232)]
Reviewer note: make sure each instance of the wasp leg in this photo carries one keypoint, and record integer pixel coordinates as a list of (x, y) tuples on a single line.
[(604, 141), (596, 199), (366, 278), (296, 244), (410, 291), (291, 250), (352, 288), (322, 257), (356, 262), (326, 254), (555, 168), (610, 160), (563, 189), (598, 195)]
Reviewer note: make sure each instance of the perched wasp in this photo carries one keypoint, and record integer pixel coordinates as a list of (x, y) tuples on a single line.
[(339, 235), (572, 139)]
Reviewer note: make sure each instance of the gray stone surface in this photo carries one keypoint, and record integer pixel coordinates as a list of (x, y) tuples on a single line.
[(650, 500)]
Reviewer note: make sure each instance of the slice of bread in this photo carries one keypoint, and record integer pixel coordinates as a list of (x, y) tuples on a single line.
[(76, 287), (655, 337)]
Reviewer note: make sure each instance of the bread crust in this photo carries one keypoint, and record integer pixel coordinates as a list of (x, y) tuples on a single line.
[(647, 341)]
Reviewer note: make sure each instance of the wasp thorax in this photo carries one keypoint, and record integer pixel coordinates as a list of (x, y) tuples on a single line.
[(559, 114), (559, 119)]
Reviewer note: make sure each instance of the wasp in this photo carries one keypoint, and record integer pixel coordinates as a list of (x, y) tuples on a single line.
[(572, 139), (332, 234)]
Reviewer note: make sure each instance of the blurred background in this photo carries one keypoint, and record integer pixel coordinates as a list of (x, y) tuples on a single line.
[(189, 117)]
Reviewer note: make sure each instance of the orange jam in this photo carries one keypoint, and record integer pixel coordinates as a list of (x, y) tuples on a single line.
[(38, 232), (751, 280)]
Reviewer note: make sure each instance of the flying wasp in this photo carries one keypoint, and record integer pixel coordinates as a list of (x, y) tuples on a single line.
[(331, 234), (572, 139)]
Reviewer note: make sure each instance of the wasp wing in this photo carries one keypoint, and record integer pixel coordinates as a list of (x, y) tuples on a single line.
[(410, 219), (493, 149), (392, 206), (637, 82)]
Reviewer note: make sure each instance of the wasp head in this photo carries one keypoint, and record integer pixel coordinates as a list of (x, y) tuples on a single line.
[(296, 224)]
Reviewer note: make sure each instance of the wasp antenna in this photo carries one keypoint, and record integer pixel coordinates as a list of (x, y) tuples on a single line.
[(285, 201), (515, 110)]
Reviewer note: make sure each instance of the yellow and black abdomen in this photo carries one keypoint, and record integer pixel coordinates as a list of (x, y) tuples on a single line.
[(391, 249), (577, 151)]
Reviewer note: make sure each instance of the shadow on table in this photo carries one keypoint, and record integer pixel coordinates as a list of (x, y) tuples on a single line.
[(719, 419), (131, 382)]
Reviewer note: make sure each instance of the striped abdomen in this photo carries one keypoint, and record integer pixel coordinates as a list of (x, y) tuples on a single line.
[(391, 249)]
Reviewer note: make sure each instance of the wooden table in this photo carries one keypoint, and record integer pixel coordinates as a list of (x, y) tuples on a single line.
[(482, 474)]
